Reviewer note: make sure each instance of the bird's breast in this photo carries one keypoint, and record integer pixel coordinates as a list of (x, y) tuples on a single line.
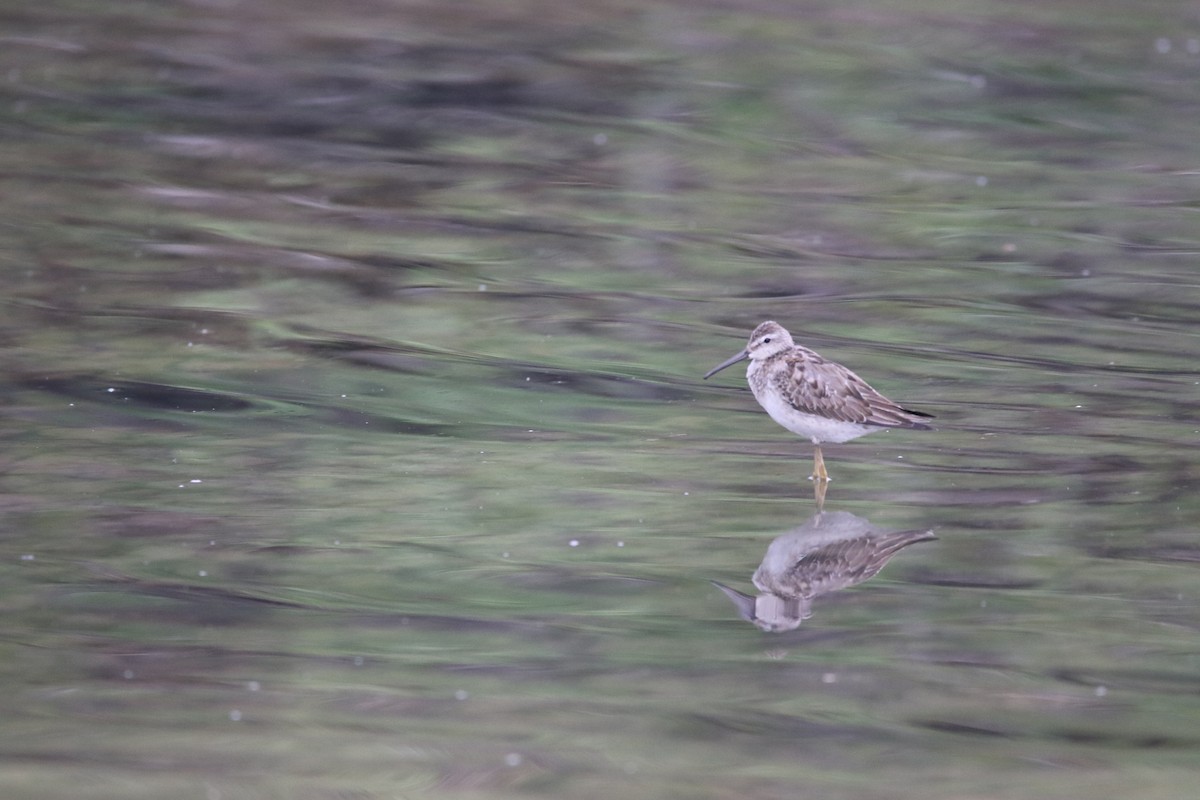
[(812, 426)]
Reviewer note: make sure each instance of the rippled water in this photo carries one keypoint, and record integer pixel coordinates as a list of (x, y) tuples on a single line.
[(354, 442)]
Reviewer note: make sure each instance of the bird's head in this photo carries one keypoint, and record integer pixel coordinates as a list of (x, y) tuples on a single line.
[(768, 339)]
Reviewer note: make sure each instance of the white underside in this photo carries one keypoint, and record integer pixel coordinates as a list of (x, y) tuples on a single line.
[(817, 429)]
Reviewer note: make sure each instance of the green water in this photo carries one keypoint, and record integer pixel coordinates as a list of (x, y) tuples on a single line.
[(353, 437)]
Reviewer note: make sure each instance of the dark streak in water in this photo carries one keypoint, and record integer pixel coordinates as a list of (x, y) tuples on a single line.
[(144, 394)]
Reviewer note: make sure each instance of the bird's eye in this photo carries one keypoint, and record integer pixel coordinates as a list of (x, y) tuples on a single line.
[(767, 340)]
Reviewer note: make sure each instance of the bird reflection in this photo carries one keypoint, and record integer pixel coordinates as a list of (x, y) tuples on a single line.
[(832, 551)]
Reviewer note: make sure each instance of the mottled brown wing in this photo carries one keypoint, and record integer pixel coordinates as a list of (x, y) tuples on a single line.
[(814, 385), (843, 564)]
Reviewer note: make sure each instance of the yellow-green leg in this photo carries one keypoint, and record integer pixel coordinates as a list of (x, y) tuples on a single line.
[(819, 473), (819, 490)]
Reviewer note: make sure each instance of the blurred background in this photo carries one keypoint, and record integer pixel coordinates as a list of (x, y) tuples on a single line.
[(352, 437)]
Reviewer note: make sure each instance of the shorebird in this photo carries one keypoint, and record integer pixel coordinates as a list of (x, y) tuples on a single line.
[(830, 552), (814, 397)]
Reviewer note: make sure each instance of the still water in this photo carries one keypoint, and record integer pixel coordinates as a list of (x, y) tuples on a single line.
[(354, 441)]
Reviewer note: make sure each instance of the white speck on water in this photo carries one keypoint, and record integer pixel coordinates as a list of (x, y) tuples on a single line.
[(981, 181), (1101, 691), (28, 556), (574, 543), (127, 674), (253, 686), (195, 480), (513, 759), (829, 677), (620, 544), (204, 331), (1079, 406), (461, 694), (599, 140), (358, 661), (1163, 45), (203, 573), (190, 344), (337, 541), (111, 389), (235, 715), (504, 554), (483, 287), (685, 494), (343, 397)]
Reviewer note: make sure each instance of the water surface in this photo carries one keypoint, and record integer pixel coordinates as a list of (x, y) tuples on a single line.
[(353, 437)]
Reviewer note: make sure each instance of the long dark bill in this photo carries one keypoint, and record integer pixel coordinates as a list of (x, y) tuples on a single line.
[(745, 602), (742, 356)]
